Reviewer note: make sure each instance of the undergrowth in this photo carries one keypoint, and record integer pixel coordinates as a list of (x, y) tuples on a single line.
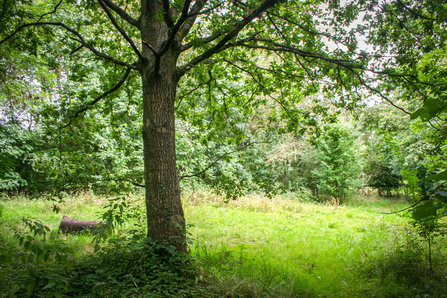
[(133, 269), (403, 269)]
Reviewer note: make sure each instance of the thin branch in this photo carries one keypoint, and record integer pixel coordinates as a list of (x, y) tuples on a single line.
[(130, 181), (276, 27), (122, 13), (348, 64), (54, 10), (112, 179), (311, 77), (378, 92), (80, 40), (402, 23), (219, 158), (425, 198), (286, 109), (222, 44), (181, 97), (269, 14), (201, 41), (3, 9), (418, 14), (275, 47), (434, 127), (121, 30), (77, 49), (205, 11), (285, 73), (286, 48), (96, 100), (343, 63)]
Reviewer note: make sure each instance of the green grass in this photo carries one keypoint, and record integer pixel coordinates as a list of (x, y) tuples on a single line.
[(285, 248), (84, 206), (280, 247)]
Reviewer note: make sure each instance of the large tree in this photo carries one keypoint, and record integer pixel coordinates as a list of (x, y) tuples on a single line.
[(227, 55)]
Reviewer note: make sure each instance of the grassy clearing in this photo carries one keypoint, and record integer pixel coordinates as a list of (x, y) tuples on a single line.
[(280, 247), (284, 248)]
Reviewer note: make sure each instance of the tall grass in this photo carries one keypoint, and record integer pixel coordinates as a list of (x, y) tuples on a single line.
[(285, 248)]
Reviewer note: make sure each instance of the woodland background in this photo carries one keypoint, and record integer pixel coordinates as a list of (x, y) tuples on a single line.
[(311, 163)]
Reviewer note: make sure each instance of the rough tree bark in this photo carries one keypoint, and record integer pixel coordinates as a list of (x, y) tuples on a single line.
[(159, 79)]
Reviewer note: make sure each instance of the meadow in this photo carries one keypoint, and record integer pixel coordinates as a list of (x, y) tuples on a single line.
[(260, 247)]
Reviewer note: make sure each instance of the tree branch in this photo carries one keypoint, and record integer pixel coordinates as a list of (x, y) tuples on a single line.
[(96, 100), (80, 40), (202, 41), (286, 48), (192, 16), (425, 198), (130, 181), (219, 158), (176, 27), (269, 14), (54, 10), (77, 49), (352, 64), (3, 10), (111, 179), (341, 62), (378, 92), (167, 14), (150, 47), (262, 86), (222, 43), (121, 30), (122, 13), (182, 96), (418, 14)]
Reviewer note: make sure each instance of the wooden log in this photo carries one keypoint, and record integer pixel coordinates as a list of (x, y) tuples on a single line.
[(70, 225)]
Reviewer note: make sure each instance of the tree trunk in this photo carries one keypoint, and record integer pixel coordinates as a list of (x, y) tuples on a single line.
[(70, 225), (165, 218), (164, 209)]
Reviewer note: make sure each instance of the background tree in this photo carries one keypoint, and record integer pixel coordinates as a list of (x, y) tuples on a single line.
[(339, 163)]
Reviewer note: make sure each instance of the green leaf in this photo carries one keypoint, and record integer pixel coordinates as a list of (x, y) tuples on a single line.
[(30, 288), (27, 245), (49, 285), (425, 211), (46, 255), (441, 196), (69, 264), (438, 176)]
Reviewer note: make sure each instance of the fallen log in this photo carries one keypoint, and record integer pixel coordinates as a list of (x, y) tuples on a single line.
[(70, 225)]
